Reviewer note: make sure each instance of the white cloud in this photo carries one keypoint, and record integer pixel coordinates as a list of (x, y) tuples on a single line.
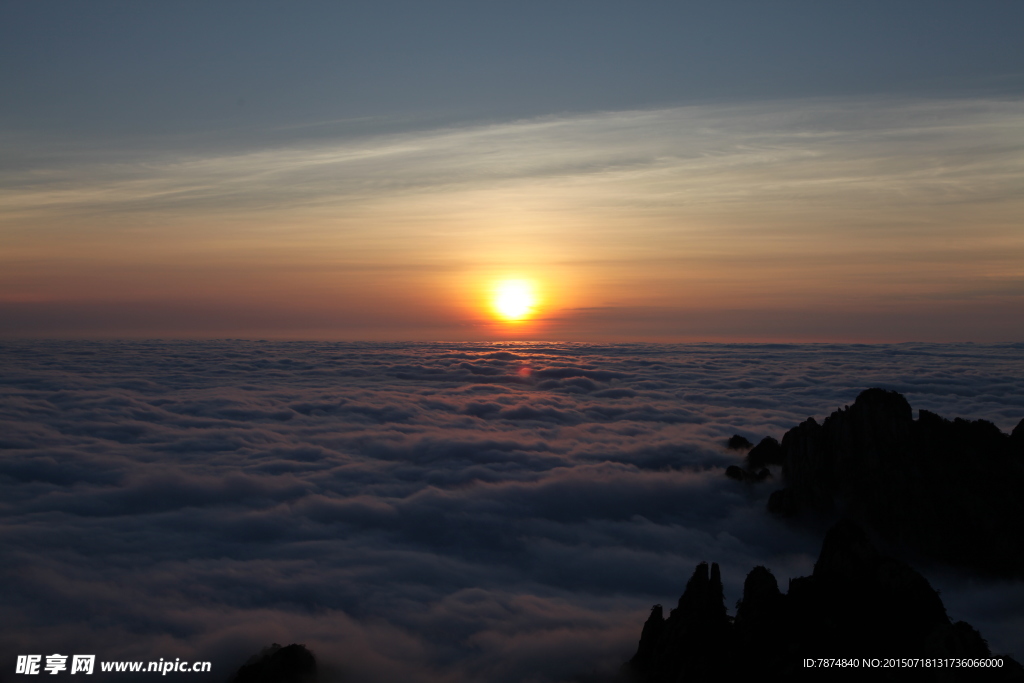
[(202, 500)]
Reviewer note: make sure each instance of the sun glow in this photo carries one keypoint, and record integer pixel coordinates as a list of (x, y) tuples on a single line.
[(514, 300)]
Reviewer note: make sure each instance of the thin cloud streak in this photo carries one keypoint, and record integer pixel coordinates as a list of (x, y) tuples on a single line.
[(960, 150), (784, 206)]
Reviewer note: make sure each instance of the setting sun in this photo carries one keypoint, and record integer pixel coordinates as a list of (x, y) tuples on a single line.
[(514, 300)]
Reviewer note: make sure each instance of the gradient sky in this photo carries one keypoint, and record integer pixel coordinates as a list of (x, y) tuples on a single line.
[(659, 171)]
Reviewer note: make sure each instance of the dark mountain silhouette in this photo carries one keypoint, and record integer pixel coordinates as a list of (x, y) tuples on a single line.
[(949, 489), (694, 638), (738, 443), (766, 452), (856, 604), (744, 474), (275, 664)]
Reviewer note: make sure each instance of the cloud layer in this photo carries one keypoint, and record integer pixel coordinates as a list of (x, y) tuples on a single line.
[(420, 512)]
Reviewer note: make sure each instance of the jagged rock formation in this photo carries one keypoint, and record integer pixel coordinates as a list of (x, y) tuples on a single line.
[(1017, 438), (738, 443), (741, 474), (766, 452), (275, 664), (948, 489), (856, 604), (692, 642)]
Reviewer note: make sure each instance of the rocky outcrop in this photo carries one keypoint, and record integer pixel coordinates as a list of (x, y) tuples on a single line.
[(742, 474), (766, 452), (755, 469), (1017, 441), (275, 664), (692, 642), (950, 489), (857, 603), (738, 443)]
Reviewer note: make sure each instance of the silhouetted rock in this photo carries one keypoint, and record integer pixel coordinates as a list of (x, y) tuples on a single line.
[(1017, 441), (762, 625), (877, 604), (739, 443), (692, 642), (739, 474), (650, 637), (857, 603), (949, 489), (766, 452), (276, 664), (783, 502)]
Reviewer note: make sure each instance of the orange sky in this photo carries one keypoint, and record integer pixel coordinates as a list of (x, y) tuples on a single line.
[(881, 220)]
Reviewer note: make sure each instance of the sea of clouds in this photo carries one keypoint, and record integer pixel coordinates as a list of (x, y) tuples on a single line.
[(438, 512)]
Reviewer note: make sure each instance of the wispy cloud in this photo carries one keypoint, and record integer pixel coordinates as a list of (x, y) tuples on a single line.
[(789, 205), (808, 150)]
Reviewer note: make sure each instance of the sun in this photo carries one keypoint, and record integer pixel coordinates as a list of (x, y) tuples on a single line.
[(514, 300)]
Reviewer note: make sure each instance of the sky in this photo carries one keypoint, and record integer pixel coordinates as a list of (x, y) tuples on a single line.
[(427, 513), (658, 171)]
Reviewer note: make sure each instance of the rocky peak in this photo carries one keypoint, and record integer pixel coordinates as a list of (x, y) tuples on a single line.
[(856, 601), (945, 488)]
